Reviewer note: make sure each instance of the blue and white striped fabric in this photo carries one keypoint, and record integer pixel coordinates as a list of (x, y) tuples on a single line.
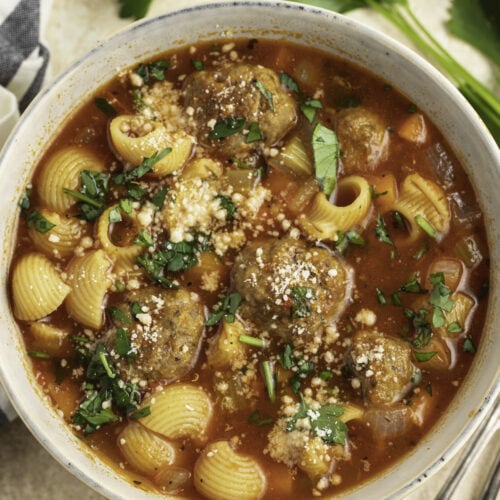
[(23, 67)]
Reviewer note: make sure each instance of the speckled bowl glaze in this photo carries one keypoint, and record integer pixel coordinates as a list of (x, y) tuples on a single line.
[(384, 57)]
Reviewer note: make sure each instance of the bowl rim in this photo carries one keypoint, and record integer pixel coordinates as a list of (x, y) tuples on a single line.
[(393, 45)]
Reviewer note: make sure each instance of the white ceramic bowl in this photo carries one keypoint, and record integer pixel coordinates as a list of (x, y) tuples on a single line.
[(391, 61)]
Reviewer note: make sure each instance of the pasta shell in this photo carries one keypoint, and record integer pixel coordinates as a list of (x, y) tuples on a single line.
[(202, 168), (48, 338), (221, 473), (37, 287), (144, 450), (134, 149), (180, 410), (61, 241), (420, 196), (62, 170), (124, 257), (322, 219), (89, 278)]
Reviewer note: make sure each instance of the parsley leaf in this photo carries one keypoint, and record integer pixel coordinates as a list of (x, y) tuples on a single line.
[(227, 204), (104, 106), (301, 297), (326, 154), (158, 199), (227, 126), (381, 231), (152, 70), (254, 133), (92, 194), (326, 424), (39, 222), (287, 81), (227, 309), (268, 96), (469, 345), (255, 418), (197, 64), (423, 356), (309, 107)]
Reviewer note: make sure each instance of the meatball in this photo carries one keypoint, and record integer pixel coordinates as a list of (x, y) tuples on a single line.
[(166, 335), (363, 138), (290, 289), (382, 364), (252, 93)]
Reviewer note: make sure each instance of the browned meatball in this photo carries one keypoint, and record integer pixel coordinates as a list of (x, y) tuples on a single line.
[(363, 138), (382, 365), (166, 334), (242, 91), (290, 289)]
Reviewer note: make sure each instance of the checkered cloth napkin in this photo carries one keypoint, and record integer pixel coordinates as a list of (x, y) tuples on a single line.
[(23, 67)]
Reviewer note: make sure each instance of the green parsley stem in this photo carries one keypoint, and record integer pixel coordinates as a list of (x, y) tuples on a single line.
[(254, 341), (104, 361), (82, 197)]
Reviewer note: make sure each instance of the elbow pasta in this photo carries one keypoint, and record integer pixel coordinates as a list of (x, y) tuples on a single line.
[(134, 149), (62, 170), (178, 411), (144, 450), (61, 241), (322, 220), (89, 278), (37, 287), (220, 473)]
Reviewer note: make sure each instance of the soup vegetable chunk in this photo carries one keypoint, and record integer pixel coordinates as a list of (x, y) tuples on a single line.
[(248, 269)]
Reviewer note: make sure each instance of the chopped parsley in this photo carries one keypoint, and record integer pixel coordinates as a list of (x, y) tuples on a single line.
[(154, 70), (24, 203), (144, 238), (440, 299), (226, 308), (309, 107), (144, 168), (172, 258), (381, 231), (326, 155), (92, 194), (197, 64), (268, 96), (105, 391), (39, 222), (301, 301), (158, 199), (424, 356), (469, 345), (256, 419), (227, 204), (104, 106), (345, 239), (227, 126), (287, 81), (254, 133), (380, 297), (324, 422)]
